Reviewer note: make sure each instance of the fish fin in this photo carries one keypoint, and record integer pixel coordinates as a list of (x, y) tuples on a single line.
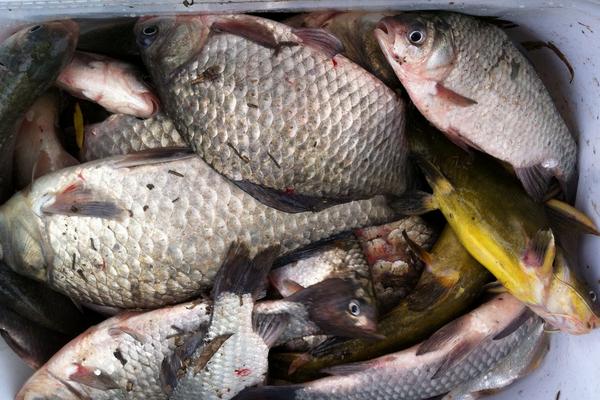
[(270, 326), (152, 156), (514, 324), (420, 252), (436, 178), (535, 180), (292, 286), (77, 200), (453, 97), (414, 202), (287, 202), (455, 356), (327, 346), (350, 368), (443, 336), (341, 240), (93, 377), (540, 252), (119, 330), (298, 361), (430, 292), (241, 275), (321, 40), (287, 392), (495, 287), (208, 351), (78, 125), (247, 28), (567, 217)]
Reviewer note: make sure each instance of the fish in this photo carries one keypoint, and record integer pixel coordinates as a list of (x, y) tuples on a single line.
[(38, 149), (33, 343), (459, 351), (513, 239), (150, 229), (115, 85), (36, 302), (524, 359), (375, 256), (30, 61), (355, 30), (452, 281), (137, 355), (277, 110), (124, 134), (469, 80)]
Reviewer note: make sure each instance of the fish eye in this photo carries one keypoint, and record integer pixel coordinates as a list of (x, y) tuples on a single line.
[(416, 37), (150, 30), (593, 295), (354, 308), (35, 28)]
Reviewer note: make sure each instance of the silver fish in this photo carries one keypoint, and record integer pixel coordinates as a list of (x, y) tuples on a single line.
[(115, 85), (145, 230), (276, 109), (458, 352), (124, 134), (38, 149), (469, 80)]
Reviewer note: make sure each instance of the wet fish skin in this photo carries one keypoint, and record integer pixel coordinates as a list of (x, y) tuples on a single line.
[(115, 85), (470, 81), (38, 303), (513, 240), (232, 95), (146, 230), (124, 134), (30, 61), (33, 343), (38, 149), (461, 350), (355, 30)]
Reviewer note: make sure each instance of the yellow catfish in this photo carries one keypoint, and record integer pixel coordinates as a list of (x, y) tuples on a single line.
[(505, 230)]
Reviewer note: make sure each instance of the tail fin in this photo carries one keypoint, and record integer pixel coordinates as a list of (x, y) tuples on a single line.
[(240, 275)]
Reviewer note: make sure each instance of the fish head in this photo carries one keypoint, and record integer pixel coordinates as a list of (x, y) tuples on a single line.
[(167, 43), (570, 304), (417, 46), (39, 49), (44, 385), (21, 238), (340, 307)]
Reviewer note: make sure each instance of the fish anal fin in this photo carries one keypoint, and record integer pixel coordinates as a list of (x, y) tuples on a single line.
[(248, 28), (79, 200), (414, 202), (287, 201), (451, 96), (535, 180), (321, 40), (567, 217), (93, 377), (270, 326), (540, 252)]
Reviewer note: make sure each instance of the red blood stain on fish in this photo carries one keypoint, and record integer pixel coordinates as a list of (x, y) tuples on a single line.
[(71, 188), (289, 190), (334, 62), (243, 372)]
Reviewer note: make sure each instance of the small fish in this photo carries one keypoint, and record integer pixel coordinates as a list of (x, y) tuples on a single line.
[(451, 283), (113, 84), (30, 61), (38, 303), (34, 343), (150, 229), (469, 80), (355, 29), (456, 353), (124, 134), (139, 355), (513, 239), (38, 149), (524, 359), (277, 110)]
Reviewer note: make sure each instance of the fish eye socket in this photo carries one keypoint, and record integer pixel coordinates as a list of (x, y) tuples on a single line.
[(354, 308), (416, 36), (593, 295), (150, 30), (35, 28)]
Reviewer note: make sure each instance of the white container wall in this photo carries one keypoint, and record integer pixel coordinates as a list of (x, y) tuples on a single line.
[(572, 366)]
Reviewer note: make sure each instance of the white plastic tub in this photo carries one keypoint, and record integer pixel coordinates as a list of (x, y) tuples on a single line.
[(573, 365)]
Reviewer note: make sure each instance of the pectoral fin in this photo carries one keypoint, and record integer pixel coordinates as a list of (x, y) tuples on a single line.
[(79, 200), (567, 217), (535, 180), (540, 252), (451, 96), (414, 202), (321, 40), (247, 28)]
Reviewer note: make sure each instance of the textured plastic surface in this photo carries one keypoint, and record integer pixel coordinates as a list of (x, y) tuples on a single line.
[(572, 366)]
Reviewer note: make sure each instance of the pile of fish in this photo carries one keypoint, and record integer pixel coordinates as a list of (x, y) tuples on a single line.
[(233, 206)]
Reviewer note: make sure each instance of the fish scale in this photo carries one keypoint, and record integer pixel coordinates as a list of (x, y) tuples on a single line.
[(291, 118), (169, 239)]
